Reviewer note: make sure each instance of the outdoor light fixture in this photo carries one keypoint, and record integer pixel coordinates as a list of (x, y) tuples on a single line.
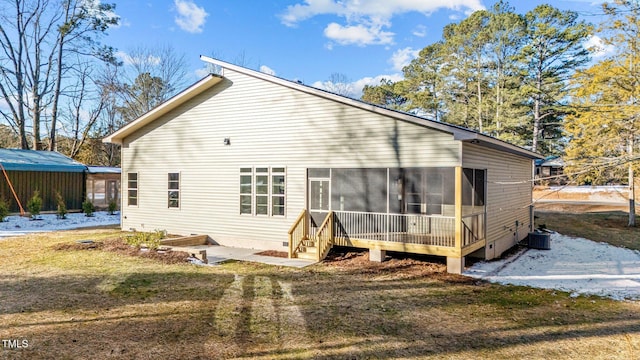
[(475, 141), (227, 141)]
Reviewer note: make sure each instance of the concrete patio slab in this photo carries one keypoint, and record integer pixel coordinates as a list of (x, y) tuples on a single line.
[(217, 254)]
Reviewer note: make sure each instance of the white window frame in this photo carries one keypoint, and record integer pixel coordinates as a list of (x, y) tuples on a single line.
[(170, 190), (246, 194), (273, 195), (137, 189), (262, 195), (261, 209)]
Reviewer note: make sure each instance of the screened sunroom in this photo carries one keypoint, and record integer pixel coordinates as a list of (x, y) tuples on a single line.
[(400, 209)]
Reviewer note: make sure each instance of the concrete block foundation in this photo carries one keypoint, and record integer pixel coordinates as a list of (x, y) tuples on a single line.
[(377, 255), (455, 265)]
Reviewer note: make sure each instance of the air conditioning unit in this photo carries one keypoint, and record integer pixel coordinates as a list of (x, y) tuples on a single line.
[(539, 240)]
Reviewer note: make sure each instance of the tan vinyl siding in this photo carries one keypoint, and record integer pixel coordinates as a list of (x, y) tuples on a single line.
[(508, 195), (268, 125)]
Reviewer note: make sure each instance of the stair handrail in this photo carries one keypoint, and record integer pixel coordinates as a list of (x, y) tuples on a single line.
[(297, 233), (324, 236)]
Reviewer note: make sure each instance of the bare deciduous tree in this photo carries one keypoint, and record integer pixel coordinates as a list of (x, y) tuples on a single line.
[(36, 37)]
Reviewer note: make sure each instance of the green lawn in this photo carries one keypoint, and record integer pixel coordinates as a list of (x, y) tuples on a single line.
[(94, 304)]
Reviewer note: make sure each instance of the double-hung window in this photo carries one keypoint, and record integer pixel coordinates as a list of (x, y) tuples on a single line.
[(132, 188), (262, 191), (277, 191), (246, 181), (173, 187)]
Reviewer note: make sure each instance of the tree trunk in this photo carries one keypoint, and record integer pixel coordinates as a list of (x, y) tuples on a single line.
[(56, 90), (37, 142), (479, 89), (536, 111), (632, 187)]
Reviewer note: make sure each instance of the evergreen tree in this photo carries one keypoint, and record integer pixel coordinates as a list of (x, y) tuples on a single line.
[(554, 48)]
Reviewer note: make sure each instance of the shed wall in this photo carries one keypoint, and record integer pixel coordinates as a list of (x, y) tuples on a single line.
[(267, 125), (69, 185)]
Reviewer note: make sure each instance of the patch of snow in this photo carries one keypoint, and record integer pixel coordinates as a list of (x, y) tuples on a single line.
[(18, 225), (575, 265), (196, 261), (587, 189)]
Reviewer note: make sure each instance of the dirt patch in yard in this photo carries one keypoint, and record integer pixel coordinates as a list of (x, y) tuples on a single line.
[(120, 247), (273, 253), (396, 265)]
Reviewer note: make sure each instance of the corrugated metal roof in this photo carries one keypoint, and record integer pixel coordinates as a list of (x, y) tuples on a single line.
[(551, 161), (35, 160), (103, 170)]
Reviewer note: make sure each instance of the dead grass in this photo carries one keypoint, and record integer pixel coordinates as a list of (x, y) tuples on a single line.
[(609, 227), (273, 253), (86, 304), (117, 245)]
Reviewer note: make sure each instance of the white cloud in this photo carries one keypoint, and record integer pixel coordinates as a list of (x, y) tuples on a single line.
[(598, 48), (403, 57), (131, 60), (360, 35), (382, 9), (367, 21), (267, 70), (356, 87), (420, 31), (191, 17), (122, 23), (202, 72)]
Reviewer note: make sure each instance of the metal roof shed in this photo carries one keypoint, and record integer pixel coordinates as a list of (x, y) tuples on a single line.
[(45, 171)]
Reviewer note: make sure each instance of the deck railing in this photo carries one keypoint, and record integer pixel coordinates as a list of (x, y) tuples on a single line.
[(402, 228), (297, 233), (473, 228), (324, 236), (339, 227)]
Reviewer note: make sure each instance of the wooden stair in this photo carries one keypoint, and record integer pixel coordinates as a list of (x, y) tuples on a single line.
[(306, 246), (308, 250)]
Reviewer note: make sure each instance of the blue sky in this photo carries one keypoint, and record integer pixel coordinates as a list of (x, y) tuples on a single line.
[(304, 40)]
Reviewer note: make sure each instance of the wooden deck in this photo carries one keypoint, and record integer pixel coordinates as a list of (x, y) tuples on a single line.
[(429, 235), (410, 243)]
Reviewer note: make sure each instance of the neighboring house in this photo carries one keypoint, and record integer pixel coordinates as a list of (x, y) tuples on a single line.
[(103, 186), (550, 171), (253, 160), (45, 171)]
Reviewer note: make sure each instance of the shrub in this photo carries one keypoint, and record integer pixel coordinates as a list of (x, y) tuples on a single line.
[(34, 205), (113, 205), (62, 207), (88, 208), (149, 239), (4, 209)]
